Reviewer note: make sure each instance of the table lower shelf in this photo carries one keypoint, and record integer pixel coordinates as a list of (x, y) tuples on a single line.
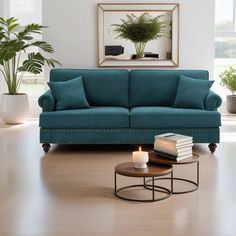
[(194, 184), (147, 187)]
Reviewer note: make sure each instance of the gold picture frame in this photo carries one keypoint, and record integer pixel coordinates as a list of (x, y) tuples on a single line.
[(118, 52)]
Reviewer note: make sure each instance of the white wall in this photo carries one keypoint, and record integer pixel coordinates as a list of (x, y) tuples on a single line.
[(73, 31)]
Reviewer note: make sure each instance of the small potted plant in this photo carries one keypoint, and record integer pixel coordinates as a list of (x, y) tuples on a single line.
[(228, 80), (15, 41), (140, 30)]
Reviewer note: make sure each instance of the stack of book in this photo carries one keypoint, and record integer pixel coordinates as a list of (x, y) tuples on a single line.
[(173, 146)]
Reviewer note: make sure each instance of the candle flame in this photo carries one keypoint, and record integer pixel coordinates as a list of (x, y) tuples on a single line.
[(140, 149)]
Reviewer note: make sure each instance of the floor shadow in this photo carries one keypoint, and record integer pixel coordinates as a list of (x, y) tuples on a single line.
[(74, 148), (6, 126)]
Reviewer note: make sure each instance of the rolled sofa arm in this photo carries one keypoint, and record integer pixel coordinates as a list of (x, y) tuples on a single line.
[(47, 101), (213, 101)]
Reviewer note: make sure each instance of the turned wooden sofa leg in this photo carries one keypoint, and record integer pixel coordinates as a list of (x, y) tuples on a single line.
[(212, 147), (46, 147)]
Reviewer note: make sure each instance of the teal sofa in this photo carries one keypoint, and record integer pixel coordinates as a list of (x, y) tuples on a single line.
[(127, 107)]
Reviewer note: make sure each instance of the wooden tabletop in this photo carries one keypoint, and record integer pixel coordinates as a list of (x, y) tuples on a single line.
[(154, 158), (152, 170)]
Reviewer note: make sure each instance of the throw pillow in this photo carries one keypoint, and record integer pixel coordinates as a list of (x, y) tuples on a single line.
[(69, 94), (192, 93)]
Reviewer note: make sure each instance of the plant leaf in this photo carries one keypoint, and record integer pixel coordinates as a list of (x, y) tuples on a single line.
[(141, 28), (9, 49), (2, 21), (228, 79), (44, 46), (52, 62), (13, 27), (29, 29), (33, 64), (11, 20), (12, 24), (2, 36)]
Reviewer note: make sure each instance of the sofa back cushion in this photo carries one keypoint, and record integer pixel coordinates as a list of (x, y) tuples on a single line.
[(158, 87), (102, 87)]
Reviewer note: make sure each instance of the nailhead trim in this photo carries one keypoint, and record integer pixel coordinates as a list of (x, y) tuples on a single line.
[(205, 134)]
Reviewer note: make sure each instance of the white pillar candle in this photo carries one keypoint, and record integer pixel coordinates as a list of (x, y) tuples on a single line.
[(140, 158)]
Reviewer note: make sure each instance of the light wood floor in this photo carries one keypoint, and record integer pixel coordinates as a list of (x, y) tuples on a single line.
[(69, 191)]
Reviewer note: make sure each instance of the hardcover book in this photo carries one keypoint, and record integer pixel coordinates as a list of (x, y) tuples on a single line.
[(174, 138), (172, 150), (172, 157)]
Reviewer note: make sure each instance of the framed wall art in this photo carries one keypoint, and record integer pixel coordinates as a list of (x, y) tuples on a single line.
[(138, 35)]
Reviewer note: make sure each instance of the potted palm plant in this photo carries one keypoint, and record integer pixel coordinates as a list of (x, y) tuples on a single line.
[(15, 41), (228, 80), (140, 30)]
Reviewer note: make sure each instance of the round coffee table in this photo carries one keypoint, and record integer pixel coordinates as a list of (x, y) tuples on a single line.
[(155, 159), (152, 171)]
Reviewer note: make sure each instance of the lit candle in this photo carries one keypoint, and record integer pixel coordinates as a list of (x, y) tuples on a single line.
[(140, 159)]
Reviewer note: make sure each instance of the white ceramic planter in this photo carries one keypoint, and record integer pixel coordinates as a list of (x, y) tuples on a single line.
[(14, 108)]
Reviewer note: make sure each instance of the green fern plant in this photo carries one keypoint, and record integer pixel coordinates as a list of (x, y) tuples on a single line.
[(228, 79), (14, 40), (140, 30)]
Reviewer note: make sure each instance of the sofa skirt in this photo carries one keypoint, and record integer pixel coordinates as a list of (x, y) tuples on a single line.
[(123, 136)]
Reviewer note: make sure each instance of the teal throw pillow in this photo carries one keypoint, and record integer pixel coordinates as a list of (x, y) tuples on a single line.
[(69, 94), (192, 93)]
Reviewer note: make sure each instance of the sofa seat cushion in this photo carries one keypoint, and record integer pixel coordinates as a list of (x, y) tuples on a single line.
[(92, 118), (167, 117)]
